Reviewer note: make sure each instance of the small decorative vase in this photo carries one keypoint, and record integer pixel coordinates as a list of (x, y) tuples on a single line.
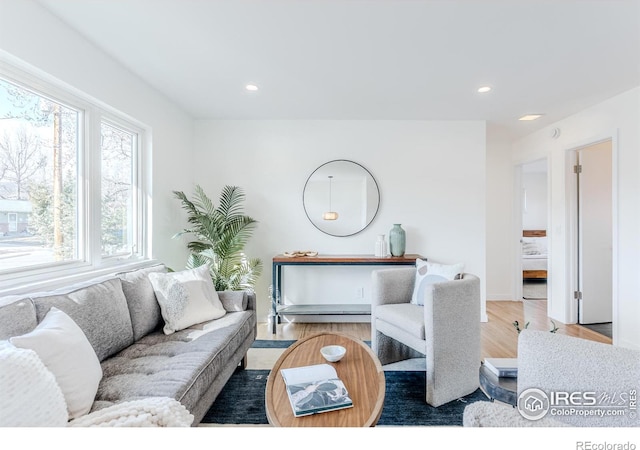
[(397, 240), (381, 247)]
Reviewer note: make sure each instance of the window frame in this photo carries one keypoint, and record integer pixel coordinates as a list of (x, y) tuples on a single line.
[(90, 262), (137, 222)]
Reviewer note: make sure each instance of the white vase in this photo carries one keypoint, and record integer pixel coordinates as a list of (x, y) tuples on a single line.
[(381, 247)]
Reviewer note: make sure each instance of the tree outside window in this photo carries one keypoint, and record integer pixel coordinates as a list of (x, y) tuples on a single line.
[(38, 178), (50, 198)]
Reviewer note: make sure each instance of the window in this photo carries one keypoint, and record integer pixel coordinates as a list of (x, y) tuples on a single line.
[(118, 154), (70, 182)]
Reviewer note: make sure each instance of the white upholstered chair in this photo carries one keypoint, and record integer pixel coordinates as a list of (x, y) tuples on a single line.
[(446, 330)]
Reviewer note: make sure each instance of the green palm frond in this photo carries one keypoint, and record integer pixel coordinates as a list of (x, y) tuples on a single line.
[(236, 235), (197, 246), (231, 202), (203, 202), (220, 237), (197, 260), (249, 275)]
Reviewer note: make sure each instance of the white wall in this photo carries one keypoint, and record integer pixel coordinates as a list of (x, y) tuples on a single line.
[(431, 177), (32, 35), (617, 118), (500, 224)]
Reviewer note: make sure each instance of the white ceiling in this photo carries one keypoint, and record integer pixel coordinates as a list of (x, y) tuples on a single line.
[(376, 59)]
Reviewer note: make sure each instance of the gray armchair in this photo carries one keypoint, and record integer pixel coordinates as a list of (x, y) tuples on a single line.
[(445, 330)]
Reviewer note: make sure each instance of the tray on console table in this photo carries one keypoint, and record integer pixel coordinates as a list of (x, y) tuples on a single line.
[(279, 261)]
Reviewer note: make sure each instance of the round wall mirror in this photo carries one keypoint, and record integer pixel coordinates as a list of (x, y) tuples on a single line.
[(341, 198)]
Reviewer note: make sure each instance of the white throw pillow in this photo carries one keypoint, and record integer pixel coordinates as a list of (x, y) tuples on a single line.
[(429, 273), (186, 298), (66, 352), (534, 246), (530, 246), (30, 395)]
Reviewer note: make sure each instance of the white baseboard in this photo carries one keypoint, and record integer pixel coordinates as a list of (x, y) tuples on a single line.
[(627, 344)]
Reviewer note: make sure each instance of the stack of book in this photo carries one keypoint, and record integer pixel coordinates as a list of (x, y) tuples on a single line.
[(502, 367), (315, 389)]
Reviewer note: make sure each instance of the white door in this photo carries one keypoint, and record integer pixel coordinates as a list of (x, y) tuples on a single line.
[(13, 222), (595, 233)]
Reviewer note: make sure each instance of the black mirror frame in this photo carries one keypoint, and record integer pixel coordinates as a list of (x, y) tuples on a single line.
[(374, 181)]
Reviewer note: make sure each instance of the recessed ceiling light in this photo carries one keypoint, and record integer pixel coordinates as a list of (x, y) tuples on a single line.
[(251, 87), (484, 89), (531, 116)]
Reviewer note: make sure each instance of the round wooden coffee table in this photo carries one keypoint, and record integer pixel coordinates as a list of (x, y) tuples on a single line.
[(359, 369)]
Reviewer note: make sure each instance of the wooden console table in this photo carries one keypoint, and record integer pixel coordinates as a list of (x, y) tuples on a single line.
[(279, 261)]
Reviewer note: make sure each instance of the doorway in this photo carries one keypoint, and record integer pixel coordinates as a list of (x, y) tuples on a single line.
[(593, 209), (533, 236), (13, 222)]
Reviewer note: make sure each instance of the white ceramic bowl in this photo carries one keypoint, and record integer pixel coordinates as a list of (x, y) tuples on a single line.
[(333, 353)]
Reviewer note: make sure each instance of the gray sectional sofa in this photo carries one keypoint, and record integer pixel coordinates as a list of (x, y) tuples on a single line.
[(121, 319)]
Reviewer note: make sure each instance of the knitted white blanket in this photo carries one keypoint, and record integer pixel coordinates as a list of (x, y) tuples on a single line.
[(147, 412), (29, 393)]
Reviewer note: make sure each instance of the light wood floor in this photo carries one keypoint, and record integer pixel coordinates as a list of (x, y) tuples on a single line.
[(499, 336)]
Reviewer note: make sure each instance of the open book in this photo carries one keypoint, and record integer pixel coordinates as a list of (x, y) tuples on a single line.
[(315, 389)]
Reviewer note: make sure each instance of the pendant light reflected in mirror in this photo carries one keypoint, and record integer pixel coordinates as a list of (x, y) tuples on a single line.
[(330, 215)]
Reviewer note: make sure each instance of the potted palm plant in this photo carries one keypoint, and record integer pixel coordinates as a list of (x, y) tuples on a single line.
[(220, 236)]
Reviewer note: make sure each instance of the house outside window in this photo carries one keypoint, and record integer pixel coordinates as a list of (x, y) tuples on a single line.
[(71, 187)]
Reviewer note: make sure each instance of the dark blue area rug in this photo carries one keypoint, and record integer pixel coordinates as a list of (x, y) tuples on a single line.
[(263, 343), (241, 401), (271, 344)]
